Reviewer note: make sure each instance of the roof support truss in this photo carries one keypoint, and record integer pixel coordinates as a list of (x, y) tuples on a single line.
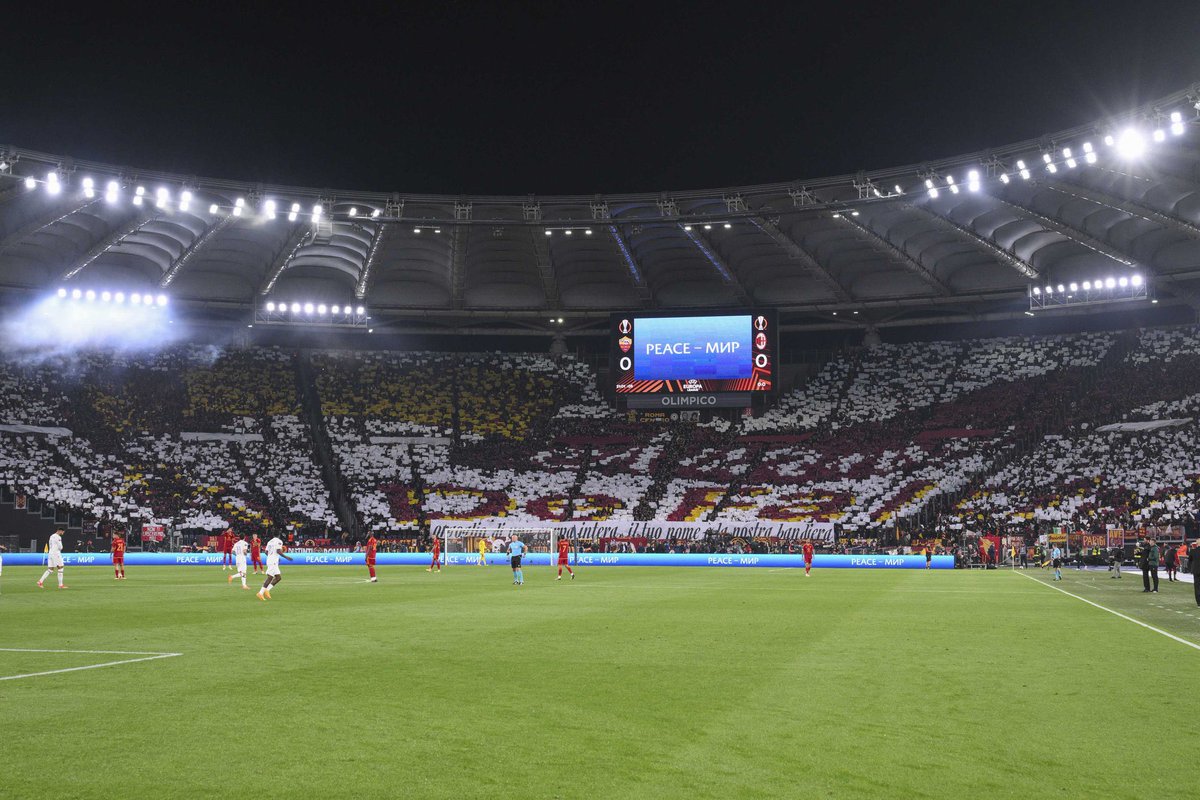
[(40, 223), (981, 242), (1074, 234), (714, 258), (364, 278), (173, 271), (108, 243), (882, 245), (797, 253), (301, 235)]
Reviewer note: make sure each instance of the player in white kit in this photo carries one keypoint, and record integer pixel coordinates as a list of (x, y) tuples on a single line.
[(54, 559), (240, 549), (275, 549)]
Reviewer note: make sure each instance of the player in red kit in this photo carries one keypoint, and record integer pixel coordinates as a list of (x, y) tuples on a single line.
[(256, 552), (564, 547), (227, 549), (437, 553), (372, 546), (118, 557), (808, 556)]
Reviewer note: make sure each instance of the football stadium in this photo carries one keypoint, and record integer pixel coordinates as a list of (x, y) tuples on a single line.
[(858, 485)]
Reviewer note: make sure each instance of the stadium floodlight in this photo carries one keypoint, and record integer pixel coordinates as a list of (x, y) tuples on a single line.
[(1074, 286), (161, 197), (161, 300), (135, 298), (321, 309), (1160, 135), (138, 194), (418, 231), (933, 192), (353, 211), (212, 209), (90, 295), (271, 305), (1087, 286), (973, 180), (707, 227), (437, 230), (1123, 282), (238, 205), (1049, 290), (1177, 123), (269, 209), (295, 308), (111, 190), (1071, 163), (587, 232), (953, 186), (360, 311), (728, 226), (854, 213), (1037, 290), (185, 200), (1110, 283), (317, 211), (1131, 144), (1004, 178), (568, 231), (119, 297), (62, 292), (31, 182), (549, 232), (898, 189), (1024, 170), (560, 320), (105, 297), (52, 184), (375, 213), (687, 227), (1109, 140), (1136, 280), (89, 188), (1061, 289), (76, 294), (295, 212), (308, 308), (335, 310)]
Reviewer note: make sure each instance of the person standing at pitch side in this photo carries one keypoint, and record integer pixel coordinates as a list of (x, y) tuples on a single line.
[(1193, 566), (1150, 566)]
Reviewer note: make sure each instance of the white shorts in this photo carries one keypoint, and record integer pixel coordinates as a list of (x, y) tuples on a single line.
[(241, 565), (54, 560), (272, 567)]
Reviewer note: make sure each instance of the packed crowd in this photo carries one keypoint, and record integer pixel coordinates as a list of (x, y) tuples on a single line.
[(991, 434)]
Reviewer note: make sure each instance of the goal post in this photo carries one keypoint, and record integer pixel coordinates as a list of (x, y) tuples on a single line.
[(464, 541)]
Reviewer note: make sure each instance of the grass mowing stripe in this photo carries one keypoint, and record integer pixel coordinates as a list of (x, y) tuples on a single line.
[(1192, 645)]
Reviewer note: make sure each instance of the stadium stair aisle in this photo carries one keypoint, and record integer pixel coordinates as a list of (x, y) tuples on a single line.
[(310, 402)]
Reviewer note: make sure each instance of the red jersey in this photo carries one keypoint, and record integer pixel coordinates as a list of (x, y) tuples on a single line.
[(255, 548), (118, 546), (564, 547), (371, 545), (808, 551), (437, 545), (227, 541)]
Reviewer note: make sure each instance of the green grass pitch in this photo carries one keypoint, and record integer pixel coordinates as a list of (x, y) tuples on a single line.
[(629, 682)]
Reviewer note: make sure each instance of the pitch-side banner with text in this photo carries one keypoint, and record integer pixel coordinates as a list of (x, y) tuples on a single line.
[(629, 529), (820, 561)]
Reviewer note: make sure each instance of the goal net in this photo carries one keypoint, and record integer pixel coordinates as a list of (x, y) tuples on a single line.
[(466, 541)]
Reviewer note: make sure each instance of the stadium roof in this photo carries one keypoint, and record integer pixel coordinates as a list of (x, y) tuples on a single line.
[(963, 237)]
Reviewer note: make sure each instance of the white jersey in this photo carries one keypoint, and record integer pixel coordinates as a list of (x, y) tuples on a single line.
[(54, 557), (274, 547), (240, 548)]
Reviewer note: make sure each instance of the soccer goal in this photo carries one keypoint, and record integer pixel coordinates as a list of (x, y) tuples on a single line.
[(461, 545)]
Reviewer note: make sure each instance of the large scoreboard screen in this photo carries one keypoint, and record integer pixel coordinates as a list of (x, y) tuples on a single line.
[(674, 353)]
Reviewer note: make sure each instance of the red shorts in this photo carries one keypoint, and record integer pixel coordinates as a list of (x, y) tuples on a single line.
[(370, 561), (436, 555), (257, 561), (119, 560), (562, 561), (808, 562)]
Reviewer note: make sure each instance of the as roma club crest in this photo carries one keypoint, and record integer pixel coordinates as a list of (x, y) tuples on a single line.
[(625, 343)]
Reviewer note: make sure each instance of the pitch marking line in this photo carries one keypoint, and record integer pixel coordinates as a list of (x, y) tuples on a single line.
[(1192, 645), (145, 657)]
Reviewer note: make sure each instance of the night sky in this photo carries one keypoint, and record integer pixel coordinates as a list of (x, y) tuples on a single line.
[(580, 98)]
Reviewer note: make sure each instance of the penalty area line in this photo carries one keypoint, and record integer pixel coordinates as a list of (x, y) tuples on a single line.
[(144, 657), (1192, 645)]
